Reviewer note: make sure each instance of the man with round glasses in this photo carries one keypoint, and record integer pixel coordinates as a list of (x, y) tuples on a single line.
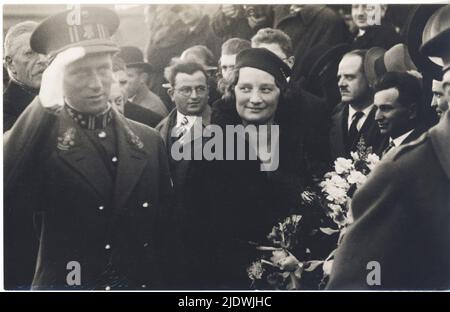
[(189, 92)]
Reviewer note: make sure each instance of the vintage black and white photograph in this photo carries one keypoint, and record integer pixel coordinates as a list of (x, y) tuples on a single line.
[(251, 147)]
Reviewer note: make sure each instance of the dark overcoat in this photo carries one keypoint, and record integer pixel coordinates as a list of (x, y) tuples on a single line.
[(402, 218), (15, 99), (110, 227)]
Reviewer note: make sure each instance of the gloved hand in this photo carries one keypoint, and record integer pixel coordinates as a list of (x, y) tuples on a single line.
[(51, 94)]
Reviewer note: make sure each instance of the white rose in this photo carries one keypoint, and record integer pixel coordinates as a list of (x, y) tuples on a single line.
[(342, 165), (356, 177), (337, 195), (339, 182), (372, 160)]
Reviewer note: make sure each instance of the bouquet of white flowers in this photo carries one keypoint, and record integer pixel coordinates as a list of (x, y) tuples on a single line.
[(338, 189), (292, 261), (340, 185)]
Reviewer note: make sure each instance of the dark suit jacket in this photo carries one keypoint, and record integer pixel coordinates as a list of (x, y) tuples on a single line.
[(402, 218), (142, 115), (15, 99), (65, 185), (417, 132), (339, 133), (187, 217)]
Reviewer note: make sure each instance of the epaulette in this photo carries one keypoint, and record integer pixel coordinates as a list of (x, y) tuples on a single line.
[(401, 150)]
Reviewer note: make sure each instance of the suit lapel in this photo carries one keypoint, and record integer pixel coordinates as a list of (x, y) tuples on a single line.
[(132, 161), (339, 135), (75, 149), (412, 136)]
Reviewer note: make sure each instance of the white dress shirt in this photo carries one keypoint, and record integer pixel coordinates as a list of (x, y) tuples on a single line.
[(399, 140), (191, 120), (351, 115)]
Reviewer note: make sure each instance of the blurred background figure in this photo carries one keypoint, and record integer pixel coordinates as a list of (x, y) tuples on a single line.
[(371, 28), (138, 73), (119, 97), (309, 25), (190, 26), (24, 67), (227, 61), (240, 21)]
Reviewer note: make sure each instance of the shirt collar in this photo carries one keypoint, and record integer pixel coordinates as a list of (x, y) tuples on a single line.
[(365, 111), (191, 119), (399, 140)]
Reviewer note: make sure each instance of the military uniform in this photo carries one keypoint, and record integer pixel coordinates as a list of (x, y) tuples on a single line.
[(98, 186)]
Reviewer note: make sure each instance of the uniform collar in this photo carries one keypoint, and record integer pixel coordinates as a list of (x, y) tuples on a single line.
[(89, 121)]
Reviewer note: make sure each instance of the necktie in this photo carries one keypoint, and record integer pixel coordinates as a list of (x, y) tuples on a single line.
[(390, 146), (181, 129), (353, 131)]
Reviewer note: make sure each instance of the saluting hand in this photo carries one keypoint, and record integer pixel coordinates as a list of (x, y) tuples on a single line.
[(51, 94)]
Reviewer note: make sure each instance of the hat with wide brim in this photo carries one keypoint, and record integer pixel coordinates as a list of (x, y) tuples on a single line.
[(374, 65), (436, 34), (88, 27), (134, 58), (416, 25)]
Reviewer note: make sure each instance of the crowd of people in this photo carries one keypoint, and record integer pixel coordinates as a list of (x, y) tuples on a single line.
[(90, 129)]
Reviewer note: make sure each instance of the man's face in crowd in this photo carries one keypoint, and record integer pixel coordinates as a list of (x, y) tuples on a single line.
[(393, 118), (438, 102), (276, 49), (87, 83), (26, 65), (365, 15), (116, 96), (190, 93), (227, 63), (352, 83), (190, 15), (122, 79), (135, 81), (257, 96)]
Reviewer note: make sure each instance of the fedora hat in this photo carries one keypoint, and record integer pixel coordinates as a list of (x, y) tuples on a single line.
[(414, 31), (134, 58), (374, 65), (379, 61)]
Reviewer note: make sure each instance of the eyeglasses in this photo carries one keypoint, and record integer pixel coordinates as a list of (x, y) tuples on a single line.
[(187, 91)]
